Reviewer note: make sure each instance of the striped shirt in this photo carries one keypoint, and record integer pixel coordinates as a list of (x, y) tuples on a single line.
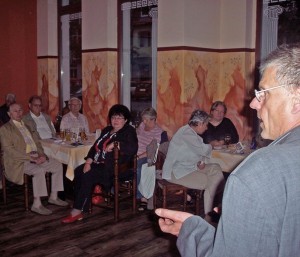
[(145, 137)]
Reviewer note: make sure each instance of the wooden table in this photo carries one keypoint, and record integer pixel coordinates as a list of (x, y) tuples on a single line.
[(228, 159), (64, 152)]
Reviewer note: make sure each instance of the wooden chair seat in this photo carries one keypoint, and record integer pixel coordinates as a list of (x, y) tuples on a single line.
[(164, 188)]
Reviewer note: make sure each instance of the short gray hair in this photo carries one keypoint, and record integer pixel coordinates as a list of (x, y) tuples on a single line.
[(286, 61), (74, 98), (198, 116), (150, 112)]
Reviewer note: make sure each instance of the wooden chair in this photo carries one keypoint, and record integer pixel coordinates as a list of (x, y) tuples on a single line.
[(164, 188), (26, 183), (125, 179)]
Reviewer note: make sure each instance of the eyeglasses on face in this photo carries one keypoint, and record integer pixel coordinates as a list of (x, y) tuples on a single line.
[(117, 118), (37, 105), (261, 94)]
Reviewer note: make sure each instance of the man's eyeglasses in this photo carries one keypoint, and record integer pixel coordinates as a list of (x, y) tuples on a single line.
[(261, 94), (37, 105)]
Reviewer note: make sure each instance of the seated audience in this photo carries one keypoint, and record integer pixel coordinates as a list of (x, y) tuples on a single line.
[(219, 126), (9, 99), (74, 119), (99, 165), (261, 202), (38, 121), (146, 132), (23, 153), (185, 163)]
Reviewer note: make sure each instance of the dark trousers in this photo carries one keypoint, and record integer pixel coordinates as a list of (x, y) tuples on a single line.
[(85, 182)]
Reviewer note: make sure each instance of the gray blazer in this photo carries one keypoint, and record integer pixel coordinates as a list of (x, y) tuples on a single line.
[(30, 123), (261, 207), (185, 150)]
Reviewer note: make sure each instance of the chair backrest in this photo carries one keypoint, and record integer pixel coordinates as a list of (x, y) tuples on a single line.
[(119, 169), (161, 155)]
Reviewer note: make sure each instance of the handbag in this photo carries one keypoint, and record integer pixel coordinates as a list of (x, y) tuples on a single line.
[(148, 174), (147, 182)]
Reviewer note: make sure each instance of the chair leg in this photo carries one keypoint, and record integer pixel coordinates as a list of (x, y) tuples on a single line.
[(164, 190), (48, 182), (4, 188), (26, 192), (184, 199), (198, 197)]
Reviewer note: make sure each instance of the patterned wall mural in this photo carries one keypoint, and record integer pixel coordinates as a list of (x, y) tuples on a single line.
[(48, 85), (99, 86), (188, 80)]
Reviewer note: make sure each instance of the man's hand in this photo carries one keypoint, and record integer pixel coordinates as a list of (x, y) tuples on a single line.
[(171, 221), (41, 159)]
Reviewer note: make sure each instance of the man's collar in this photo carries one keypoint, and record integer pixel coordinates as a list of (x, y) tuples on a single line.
[(71, 113), (34, 116), (17, 122)]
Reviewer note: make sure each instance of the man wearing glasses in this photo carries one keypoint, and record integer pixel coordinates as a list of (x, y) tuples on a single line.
[(261, 202), (74, 119), (38, 121)]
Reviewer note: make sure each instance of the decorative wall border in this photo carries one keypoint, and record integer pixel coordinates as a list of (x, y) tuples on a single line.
[(191, 48)]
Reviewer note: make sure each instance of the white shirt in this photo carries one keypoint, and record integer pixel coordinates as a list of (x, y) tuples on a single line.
[(42, 126), (70, 121)]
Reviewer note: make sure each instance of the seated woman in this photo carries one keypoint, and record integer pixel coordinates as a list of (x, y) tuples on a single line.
[(98, 167), (186, 158), (146, 132), (219, 126)]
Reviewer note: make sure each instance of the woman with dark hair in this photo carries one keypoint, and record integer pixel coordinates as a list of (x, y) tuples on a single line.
[(219, 127), (98, 167)]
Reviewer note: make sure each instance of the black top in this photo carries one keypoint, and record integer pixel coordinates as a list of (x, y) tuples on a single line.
[(3, 114), (219, 132), (128, 144)]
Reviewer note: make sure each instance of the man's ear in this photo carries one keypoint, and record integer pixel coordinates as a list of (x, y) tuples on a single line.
[(296, 107)]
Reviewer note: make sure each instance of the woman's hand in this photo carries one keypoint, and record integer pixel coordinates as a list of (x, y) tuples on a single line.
[(109, 147), (217, 143), (171, 221), (87, 167)]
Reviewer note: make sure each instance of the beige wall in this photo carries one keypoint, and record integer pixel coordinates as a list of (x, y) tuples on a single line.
[(217, 24), (237, 24), (47, 28), (99, 24)]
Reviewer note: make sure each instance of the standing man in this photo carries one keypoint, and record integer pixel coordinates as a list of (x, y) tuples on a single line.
[(261, 202), (9, 99), (35, 120), (23, 153), (74, 119)]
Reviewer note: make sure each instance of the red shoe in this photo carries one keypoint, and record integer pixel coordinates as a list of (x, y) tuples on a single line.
[(71, 219)]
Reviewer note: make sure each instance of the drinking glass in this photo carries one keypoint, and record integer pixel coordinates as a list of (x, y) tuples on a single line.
[(62, 134), (68, 135), (227, 139)]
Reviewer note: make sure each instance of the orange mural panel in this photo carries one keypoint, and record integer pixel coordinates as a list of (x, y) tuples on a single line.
[(189, 80), (100, 90), (48, 86)]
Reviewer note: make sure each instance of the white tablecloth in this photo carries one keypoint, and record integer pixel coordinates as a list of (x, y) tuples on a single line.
[(64, 152)]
